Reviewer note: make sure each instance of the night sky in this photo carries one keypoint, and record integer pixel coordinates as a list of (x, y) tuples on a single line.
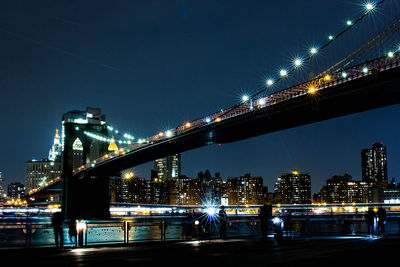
[(152, 65)]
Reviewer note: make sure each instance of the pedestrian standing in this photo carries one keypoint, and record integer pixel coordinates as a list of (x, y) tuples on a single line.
[(57, 222), (381, 221), (223, 222)]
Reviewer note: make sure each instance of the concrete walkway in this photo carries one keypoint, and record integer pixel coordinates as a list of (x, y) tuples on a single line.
[(313, 251)]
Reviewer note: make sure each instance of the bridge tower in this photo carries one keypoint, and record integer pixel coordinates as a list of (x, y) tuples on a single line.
[(85, 195)]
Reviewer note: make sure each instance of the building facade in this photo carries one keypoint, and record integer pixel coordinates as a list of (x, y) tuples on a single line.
[(16, 191), (168, 167), (183, 191), (342, 189), (40, 172), (295, 188), (2, 191), (245, 190), (374, 165)]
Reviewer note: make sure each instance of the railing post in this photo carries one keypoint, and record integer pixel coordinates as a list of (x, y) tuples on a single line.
[(126, 227)]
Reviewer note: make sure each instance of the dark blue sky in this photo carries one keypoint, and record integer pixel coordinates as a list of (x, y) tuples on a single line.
[(151, 65)]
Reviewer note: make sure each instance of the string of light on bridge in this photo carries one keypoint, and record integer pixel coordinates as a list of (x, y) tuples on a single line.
[(218, 116), (299, 61)]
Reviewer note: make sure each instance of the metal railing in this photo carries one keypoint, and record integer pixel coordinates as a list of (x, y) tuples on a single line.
[(31, 233)]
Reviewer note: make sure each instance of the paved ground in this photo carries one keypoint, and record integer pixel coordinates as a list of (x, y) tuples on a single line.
[(321, 251)]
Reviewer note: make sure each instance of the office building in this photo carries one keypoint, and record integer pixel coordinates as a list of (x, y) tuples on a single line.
[(183, 191), (211, 188), (39, 172), (16, 191), (295, 188), (245, 190), (168, 167), (2, 192), (342, 189), (374, 165)]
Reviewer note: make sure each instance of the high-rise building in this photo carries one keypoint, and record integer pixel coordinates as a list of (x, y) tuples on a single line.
[(137, 190), (183, 191), (16, 190), (56, 149), (342, 189), (374, 165), (211, 188), (245, 190), (168, 167), (295, 188), (1, 186), (40, 172)]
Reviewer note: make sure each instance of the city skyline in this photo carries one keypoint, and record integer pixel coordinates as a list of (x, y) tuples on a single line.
[(322, 149)]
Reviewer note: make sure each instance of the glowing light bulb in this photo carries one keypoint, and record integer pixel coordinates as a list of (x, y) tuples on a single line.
[(365, 70), (313, 50), (330, 37), (188, 124), (312, 90), (390, 54), (344, 74), (245, 98), (208, 120), (283, 73), (349, 22), (168, 133), (369, 6), (261, 101), (270, 82), (297, 62), (327, 78)]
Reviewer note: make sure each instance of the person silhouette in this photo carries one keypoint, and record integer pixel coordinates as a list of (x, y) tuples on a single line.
[(381, 221), (57, 222), (72, 232), (264, 219), (223, 221), (371, 221)]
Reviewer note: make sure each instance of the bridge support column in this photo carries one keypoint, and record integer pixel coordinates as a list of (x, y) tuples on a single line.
[(87, 197)]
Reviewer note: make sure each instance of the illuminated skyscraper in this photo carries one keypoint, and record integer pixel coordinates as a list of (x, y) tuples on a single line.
[(295, 188), (245, 190), (55, 150), (168, 167), (1, 185), (374, 165), (40, 172)]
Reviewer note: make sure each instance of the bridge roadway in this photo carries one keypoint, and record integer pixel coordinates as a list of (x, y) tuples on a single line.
[(346, 96), (317, 251)]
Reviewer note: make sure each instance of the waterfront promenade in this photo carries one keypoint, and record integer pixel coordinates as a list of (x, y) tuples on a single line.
[(300, 251)]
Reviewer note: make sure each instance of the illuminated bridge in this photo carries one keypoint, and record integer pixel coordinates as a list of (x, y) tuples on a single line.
[(353, 84)]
